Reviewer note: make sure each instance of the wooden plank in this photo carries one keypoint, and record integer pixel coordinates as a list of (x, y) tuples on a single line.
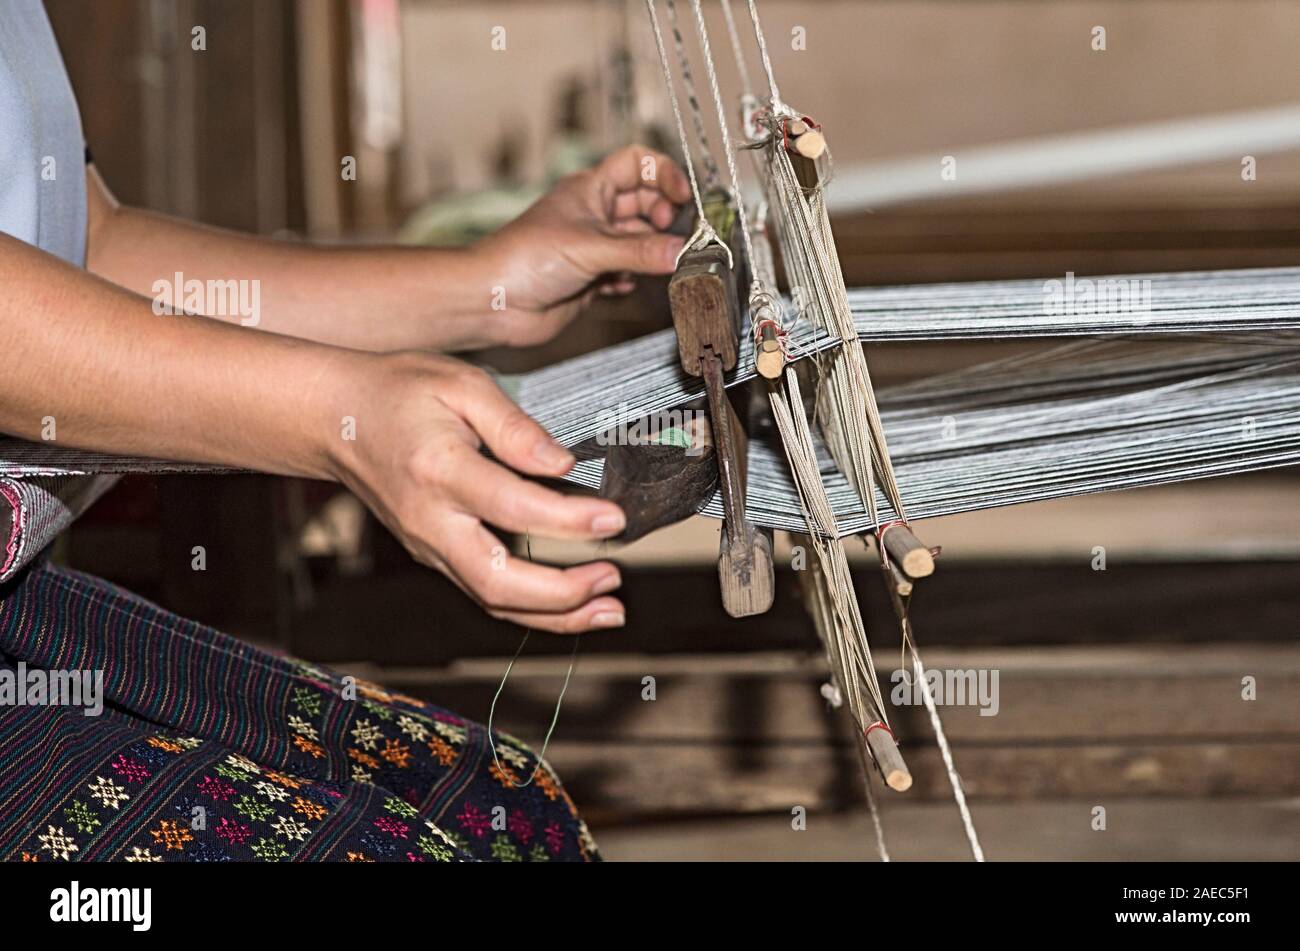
[(1044, 695), (1145, 829), (751, 732), (608, 779), (414, 617)]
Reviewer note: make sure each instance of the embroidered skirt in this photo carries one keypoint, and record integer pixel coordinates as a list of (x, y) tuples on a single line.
[(210, 750)]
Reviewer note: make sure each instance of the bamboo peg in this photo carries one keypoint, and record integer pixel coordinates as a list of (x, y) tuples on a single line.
[(811, 144), (769, 358), (888, 759), (907, 551), (895, 579), (805, 165)]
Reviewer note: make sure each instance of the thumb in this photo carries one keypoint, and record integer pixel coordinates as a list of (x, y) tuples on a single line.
[(638, 253), (512, 435)]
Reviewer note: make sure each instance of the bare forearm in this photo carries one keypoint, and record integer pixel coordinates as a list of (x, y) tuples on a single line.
[(111, 375), (369, 298)]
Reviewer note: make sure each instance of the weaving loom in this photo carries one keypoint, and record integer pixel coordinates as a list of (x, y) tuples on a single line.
[(1195, 380), (1090, 403)]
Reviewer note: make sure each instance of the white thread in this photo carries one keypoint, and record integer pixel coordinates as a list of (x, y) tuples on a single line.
[(767, 61), (704, 229), (737, 50), (692, 99), (977, 852), (722, 125)]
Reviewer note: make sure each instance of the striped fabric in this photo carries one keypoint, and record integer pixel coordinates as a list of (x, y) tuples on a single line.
[(208, 749), (40, 508)]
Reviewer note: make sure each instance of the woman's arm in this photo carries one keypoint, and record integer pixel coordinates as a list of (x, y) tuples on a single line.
[(94, 364), (517, 288)]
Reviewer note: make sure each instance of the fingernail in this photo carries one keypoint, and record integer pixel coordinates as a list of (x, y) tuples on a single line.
[(611, 523), (607, 619), (552, 454), (673, 247), (606, 584)]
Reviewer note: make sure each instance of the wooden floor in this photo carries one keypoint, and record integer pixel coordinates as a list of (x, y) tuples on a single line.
[(1137, 830)]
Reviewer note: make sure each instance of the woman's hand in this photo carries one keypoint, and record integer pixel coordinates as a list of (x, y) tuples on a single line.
[(590, 234), (420, 420)]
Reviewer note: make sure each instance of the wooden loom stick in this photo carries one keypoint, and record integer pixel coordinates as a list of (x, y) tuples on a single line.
[(769, 358), (810, 145), (884, 750), (906, 551), (877, 738), (703, 297), (746, 573), (895, 578)]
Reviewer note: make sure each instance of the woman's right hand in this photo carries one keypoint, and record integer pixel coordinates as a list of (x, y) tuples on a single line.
[(420, 420)]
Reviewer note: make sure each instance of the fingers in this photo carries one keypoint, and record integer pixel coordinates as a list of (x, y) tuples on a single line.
[(512, 435), (502, 583), (493, 493), (644, 205), (636, 166), (594, 615), (633, 226), (619, 287), (498, 496)]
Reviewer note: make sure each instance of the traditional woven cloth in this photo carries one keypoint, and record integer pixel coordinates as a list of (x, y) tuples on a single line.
[(211, 750)]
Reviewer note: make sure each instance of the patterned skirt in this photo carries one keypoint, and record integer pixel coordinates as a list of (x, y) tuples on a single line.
[(208, 749)]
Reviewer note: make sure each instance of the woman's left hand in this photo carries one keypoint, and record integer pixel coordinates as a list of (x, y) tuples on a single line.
[(592, 233)]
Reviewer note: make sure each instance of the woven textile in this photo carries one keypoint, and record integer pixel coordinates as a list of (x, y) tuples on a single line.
[(211, 750), (39, 509)]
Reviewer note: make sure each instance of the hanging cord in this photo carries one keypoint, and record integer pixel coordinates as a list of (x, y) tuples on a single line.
[(874, 809), (777, 105), (559, 701), (722, 125), (901, 604), (850, 654), (737, 50), (704, 233), (845, 637), (765, 305), (692, 99), (954, 780)]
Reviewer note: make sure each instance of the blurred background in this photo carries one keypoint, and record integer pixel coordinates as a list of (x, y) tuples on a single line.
[(1119, 688)]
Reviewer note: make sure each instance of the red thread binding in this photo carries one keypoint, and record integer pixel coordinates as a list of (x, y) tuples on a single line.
[(879, 725), (785, 129), (880, 537)]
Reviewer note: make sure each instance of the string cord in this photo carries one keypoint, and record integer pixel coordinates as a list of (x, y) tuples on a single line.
[(727, 152), (767, 60), (737, 50), (954, 779), (704, 233), (764, 302), (555, 715), (692, 98), (881, 849)]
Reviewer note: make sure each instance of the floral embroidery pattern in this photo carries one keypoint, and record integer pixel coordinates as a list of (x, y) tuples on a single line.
[(82, 816), (170, 834), (395, 752), (131, 770), (109, 793), (59, 845)]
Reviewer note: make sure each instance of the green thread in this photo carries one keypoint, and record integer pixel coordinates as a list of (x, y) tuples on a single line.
[(555, 716)]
